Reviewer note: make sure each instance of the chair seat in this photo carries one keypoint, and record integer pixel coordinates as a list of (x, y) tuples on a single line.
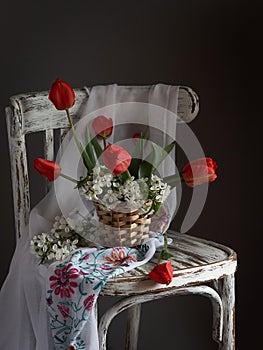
[(194, 261)]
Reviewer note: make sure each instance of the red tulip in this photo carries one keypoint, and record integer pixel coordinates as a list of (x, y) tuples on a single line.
[(162, 273), (47, 168), (135, 137), (61, 95), (199, 171), (116, 158), (102, 126)]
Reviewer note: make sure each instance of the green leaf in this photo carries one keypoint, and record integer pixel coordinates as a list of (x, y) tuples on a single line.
[(134, 166), (86, 160), (81, 149), (82, 181), (156, 206), (172, 180), (154, 159), (165, 255), (89, 148), (137, 155), (98, 149), (124, 176)]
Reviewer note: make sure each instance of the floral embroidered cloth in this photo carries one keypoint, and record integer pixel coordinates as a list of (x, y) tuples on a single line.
[(74, 285), (69, 289)]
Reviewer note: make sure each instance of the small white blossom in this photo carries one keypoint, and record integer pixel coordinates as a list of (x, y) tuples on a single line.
[(59, 242), (110, 192)]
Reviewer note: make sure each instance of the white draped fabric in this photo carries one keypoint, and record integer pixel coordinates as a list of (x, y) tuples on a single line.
[(23, 307)]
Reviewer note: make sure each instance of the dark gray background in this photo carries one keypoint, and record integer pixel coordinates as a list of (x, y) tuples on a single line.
[(212, 46)]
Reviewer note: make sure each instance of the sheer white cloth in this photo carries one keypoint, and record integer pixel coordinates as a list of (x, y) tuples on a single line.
[(24, 324), (133, 110)]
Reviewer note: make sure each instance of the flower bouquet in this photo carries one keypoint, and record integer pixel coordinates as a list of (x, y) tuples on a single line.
[(123, 186)]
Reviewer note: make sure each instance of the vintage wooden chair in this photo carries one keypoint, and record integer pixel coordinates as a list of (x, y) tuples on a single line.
[(201, 267)]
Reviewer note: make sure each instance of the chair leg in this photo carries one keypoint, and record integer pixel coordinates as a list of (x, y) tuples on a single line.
[(228, 300), (132, 330), (107, 317), (134, 301)]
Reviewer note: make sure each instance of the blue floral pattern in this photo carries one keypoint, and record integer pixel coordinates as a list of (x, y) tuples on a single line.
[(74, 285)]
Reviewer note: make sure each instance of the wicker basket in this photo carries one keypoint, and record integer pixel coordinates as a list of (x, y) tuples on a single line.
[(121, 227)]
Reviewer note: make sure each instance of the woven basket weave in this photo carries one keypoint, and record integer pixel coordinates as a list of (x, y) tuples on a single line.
[(125, 227)]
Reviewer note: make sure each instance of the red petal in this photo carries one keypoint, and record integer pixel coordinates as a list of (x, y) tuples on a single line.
[(73, 271), (73, 284), (47, 168), (53, 284), (53, 278), (102, 126), (61, 95), (67, 267), (57, 290), (162, 273), (116, 158)]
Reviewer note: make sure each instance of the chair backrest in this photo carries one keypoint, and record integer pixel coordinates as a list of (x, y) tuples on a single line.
[(33, 112)]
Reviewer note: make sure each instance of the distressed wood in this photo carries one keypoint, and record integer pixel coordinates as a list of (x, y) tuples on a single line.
[(195, 261), (199, 266), (132, 327), (19, 170), (228, 301), (131, 301), (36, 106)]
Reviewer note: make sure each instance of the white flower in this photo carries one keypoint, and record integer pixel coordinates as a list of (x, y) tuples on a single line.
[(159, 189), (60, 241), (58, 254), (51, 256), (55, 247), (56, 225)]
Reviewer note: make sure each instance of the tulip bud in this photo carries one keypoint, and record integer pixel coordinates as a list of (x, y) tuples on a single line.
[(116, 158), (61, 95), (199, 171), (135, 137), (162, 273), (47, 168), (102, 126)]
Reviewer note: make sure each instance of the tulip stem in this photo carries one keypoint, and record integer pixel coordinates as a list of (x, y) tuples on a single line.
[(80, 147), (74, 132), (69, 178), (159, 259), (104, 142), (164, 254), (128, 173)]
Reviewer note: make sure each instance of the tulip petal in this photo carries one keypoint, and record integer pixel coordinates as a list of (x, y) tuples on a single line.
[(102, 126), (116, 158), (51, 170), (61, 95), (162, 273)]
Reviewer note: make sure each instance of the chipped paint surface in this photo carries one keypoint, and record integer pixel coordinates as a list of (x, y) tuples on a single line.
[(200, 267), (212, 261)]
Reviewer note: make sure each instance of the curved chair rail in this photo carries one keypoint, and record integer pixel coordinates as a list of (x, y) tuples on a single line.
[(194, 260)]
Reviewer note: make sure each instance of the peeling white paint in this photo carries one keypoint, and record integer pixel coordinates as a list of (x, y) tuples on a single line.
[(200, 266)]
